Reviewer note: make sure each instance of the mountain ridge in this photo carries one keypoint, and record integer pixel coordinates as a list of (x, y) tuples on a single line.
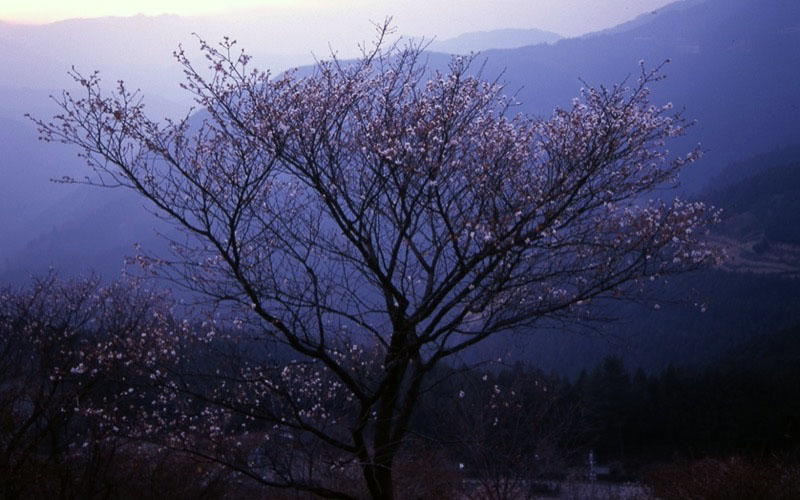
[(711, 83), (477, 41)]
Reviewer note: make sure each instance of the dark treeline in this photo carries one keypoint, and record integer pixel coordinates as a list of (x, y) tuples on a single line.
[(728, 408), (771, 196), (747, 404)]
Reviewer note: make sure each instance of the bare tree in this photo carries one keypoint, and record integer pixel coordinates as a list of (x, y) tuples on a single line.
[(375, 218)]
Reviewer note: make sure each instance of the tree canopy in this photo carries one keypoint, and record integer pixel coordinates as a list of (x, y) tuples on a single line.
[(376, 217)]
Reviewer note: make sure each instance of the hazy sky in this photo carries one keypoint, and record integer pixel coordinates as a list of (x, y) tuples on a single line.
[(443, 18)]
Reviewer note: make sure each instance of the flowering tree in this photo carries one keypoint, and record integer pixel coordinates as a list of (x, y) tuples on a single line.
[(375, 218), (76, 363), (43, 381)]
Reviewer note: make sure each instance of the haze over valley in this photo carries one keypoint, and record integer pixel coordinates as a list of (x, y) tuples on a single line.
[(733, 69)]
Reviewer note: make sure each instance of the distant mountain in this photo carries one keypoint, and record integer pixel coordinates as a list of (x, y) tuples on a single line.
[(497, 39), (702, 316), (137, 50), (647, 17), (761, 224), (26, 168), (735, 68), (75, 228), (88, 230), (738, 171)]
